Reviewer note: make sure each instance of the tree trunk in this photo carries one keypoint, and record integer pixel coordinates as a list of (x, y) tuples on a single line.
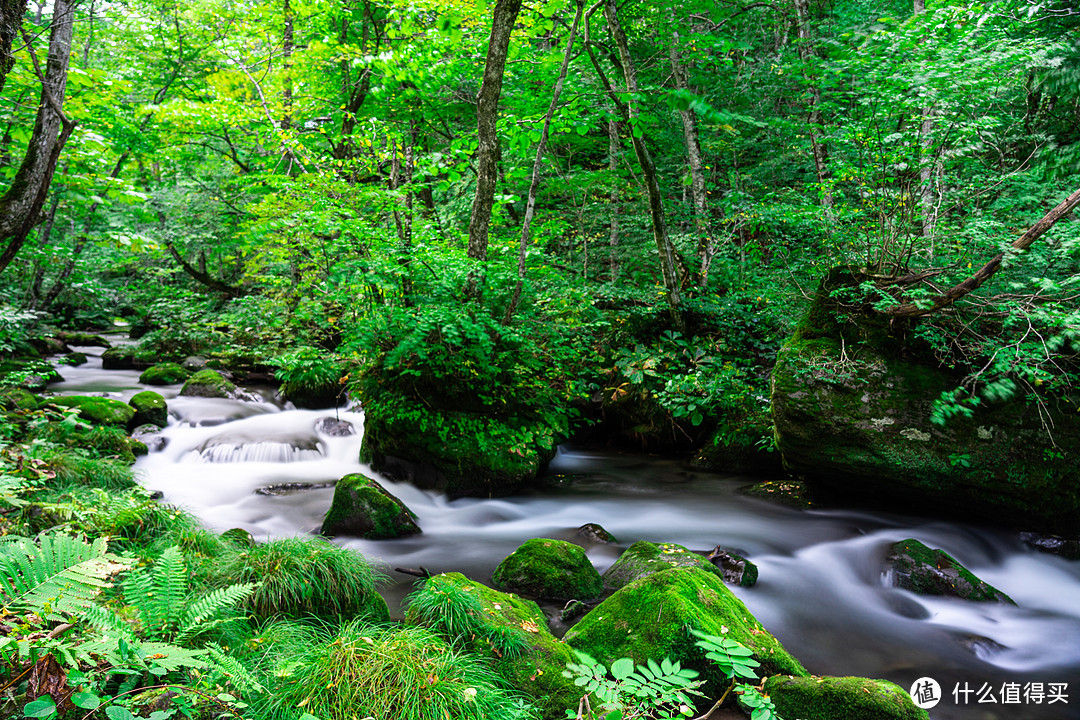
[(668, 256), (816, 127), (538, 160), (613, 198), (487, 113), (11, 16), (984, 273), (20, 206), (929, 167)]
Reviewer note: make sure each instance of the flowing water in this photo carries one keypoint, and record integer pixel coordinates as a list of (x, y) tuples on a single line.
[(822, 589)]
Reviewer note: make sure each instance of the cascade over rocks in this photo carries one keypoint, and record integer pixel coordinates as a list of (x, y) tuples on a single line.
[(852, 399)]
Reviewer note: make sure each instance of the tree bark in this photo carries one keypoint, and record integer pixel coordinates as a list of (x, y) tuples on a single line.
[(201, 275), (815, 125), (11, 16), (21, 205), (975, 281), (487, 114), (538, 160), (668, 255), (613, 198)]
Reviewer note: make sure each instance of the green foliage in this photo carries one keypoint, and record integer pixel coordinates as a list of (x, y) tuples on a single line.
[(661, 690), (308, 371), (456, 613), (16, 327)]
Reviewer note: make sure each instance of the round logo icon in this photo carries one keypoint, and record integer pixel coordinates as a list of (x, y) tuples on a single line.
[(925, 693)]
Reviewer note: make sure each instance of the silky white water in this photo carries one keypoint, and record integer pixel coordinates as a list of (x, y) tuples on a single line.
[(821, 590)]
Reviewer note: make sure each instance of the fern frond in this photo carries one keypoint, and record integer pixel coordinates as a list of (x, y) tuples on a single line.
[(171, 586), (199, 617), (172, 657), (234, 671), (108, 623)]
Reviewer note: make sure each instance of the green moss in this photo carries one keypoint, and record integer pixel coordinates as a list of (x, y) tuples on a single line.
[(150, 409), (831, 698), (649, 619), (510, 633), (84, 339), (76, 359), (929, 571), (164, 374), (121, 357), (363, 508), (98, 410), (645, 558), (17, 399), (552, 569), (209, 384)]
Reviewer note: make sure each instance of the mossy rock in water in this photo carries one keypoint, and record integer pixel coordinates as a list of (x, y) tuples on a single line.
[(363, 508), (651, 617), (75, 359), (853, 397), (832, 698), (164, 374), (50, 346), (552, 569), (788, 492), (734, 568), (150, 409), (509, 632), (593, 534), (98, 410), (83, 339), (121, 357), (313, 395), (208, 384), (929, 571), (17, 399), (645, 558)]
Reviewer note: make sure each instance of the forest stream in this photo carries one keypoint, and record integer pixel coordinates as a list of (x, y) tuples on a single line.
[(822, 590)]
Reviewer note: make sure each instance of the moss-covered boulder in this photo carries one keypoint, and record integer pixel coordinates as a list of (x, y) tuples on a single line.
[(208, 384), (852, 400), (651, 617), (363, 508), (98, 410), (76, 359), (928, 571), (83, 339), (645, 558), (735, 569), (163, 374), (50, 345), (552, 569), (831, 698), (509, 632), (17, 399), (150, 409), (121, 357), (788, 492)]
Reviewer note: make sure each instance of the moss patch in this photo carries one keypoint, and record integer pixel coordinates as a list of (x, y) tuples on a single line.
[(363, 508), (649, 619), (209, 384), (850, 698), (509, 632), (164, 374), (121, 357), (98, 410), (150, 409), (552, 569), (645, 558), (929, 571), (17, 399)]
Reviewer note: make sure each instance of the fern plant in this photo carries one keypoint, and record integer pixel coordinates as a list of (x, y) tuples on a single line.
[(165, 606), (658, 691)]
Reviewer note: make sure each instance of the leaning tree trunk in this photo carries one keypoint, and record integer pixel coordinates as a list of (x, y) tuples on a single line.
[(975, 281), (487, 113), (20, 206)]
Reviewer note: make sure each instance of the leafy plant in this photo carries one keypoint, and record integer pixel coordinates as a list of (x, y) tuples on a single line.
[(458, 614), (654, 690)]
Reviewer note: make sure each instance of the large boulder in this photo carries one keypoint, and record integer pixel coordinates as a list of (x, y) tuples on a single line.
[(853, 400), (150, 409), (209, 384), (831, 698), (651, 618), (164, 374), (98, 410), (363, 508), (83, 339), (120, 357), (552, 569), (928, 571), (645, 558), (510, 633)]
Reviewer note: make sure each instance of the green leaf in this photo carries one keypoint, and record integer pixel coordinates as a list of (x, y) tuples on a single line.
[(40, 708), (115, 712), (621, 668), (85, 700)]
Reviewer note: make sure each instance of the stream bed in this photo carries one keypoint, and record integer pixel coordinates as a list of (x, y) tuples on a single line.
[(822, 590)]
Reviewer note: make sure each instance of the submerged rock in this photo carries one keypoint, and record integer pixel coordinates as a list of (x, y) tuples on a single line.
[(209, 384), (651, 617), (789, 492), (1068, 548), (363, 508), (333, 427), (150, 409), (509, 632), (852, 400), (167, 373), (551, 569), (928, 571), (98, 410), (736, 569), (150, 436), (645, 558), (832, 698)]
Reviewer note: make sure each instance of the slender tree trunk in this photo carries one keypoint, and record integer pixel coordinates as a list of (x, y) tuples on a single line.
[(43, 241), (815, 125), (613, 198), (688, 116), (929, 167), (11, 17), (20, 206), (669, 263), (538, 160), (984, 273), (487, 114)]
